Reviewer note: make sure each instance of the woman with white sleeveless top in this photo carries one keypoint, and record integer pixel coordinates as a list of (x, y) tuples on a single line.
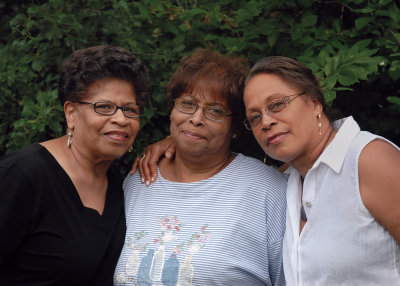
[(343, 194)]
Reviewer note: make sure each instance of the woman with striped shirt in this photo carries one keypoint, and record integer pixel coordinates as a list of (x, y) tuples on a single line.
[(213, 217)]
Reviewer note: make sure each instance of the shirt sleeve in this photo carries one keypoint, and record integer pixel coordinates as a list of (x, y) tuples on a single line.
[(16, 209), (276, 219)]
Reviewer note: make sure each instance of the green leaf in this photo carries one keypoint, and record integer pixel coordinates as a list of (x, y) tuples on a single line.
[(347, 77), (309, 20), (393, 99), (330, 82), (362, 22), (272, 38), (329, 96)]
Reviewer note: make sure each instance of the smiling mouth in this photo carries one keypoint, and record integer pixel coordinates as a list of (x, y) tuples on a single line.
[(117, 136), (276, 138), (193, 135)]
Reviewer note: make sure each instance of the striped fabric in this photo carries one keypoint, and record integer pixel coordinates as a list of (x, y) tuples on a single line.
[(225, 230)]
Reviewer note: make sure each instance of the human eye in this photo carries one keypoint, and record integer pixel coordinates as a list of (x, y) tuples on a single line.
[(187, 104), (277, 105), (216, 110), (132, 110), (254, 117), (104, 107)]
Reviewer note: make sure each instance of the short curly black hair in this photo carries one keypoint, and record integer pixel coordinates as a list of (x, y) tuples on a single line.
[(86, 66)]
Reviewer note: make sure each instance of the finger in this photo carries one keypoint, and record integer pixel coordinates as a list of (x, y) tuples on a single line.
[(134, 166), (152, 165), (140, 167), (145, 168), (170, 152)]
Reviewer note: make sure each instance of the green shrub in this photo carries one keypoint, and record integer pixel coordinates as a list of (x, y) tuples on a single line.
[(352, 46)]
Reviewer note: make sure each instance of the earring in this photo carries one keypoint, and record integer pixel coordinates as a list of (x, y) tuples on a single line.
[(130, 149), (69, 140), (265, 159), (234, 136), (319, 124)]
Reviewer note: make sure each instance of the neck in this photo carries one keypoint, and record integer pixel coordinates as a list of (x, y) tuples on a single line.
[(85, 164), (305, 162), (186, 169)]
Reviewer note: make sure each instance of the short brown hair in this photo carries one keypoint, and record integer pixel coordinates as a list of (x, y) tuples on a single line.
[(222, 74), (84, 67)]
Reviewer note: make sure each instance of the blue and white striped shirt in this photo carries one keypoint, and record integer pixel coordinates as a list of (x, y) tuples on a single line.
[(225, 230)]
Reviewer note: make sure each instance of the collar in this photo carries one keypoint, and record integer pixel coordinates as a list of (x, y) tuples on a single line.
[(334, 154)]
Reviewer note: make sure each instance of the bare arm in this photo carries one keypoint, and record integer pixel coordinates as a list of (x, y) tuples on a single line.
[(379, 177), (147, 165)]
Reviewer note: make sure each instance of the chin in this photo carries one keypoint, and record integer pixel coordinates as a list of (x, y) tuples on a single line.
[(277, 154), (115, 153)]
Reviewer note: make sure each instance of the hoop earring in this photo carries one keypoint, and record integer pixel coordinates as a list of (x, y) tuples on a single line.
[(319, 124), (130, 149), (69, 140)]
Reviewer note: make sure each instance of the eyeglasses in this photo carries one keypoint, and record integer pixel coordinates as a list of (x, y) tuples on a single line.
[(273, 107), (108, 108), (215, 113)]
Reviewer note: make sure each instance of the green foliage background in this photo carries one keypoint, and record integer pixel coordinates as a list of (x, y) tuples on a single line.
[(352, 46)]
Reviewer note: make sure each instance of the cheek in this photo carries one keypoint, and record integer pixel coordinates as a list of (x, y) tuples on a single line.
[(135, 126)]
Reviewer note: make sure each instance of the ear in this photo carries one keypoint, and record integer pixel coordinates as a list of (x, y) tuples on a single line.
[(317, 107), (70, 112)]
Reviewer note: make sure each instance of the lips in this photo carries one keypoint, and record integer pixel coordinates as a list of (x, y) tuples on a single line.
[(118, 136), (276, 138), (193, 135)]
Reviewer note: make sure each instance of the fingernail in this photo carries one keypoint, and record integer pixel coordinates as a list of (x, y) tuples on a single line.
[(168, 155), (142, 180), (152, 179), (147, 183)]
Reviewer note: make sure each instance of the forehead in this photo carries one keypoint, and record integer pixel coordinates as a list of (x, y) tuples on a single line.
[(111, 88), (207, 92), (265, 87)]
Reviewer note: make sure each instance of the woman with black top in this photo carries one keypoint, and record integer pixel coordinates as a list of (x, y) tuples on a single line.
[(61, 207)]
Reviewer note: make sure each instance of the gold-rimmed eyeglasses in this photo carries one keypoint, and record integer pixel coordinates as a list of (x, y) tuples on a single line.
[(275, 106), (212, 112)]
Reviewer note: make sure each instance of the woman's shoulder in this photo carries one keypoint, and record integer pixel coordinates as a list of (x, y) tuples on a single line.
[(25, 157), (258, 173), (256, 166)]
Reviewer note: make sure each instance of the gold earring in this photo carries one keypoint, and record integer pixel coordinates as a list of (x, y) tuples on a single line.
[(69, 141), (319, 124), (130, 149)]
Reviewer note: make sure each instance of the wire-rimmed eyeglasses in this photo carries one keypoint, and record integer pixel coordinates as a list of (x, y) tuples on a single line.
[(109, 108), (275, 106), (212, 112)]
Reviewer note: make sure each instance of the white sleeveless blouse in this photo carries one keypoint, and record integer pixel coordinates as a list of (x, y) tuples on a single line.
[(341, 244)]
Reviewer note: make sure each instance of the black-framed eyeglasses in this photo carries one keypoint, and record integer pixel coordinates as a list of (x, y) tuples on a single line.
[(212, 112), (275, 106), (108, 108)]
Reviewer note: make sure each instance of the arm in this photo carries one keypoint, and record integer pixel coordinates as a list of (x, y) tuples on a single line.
[(379, 177), (16, 210), (148, 165)]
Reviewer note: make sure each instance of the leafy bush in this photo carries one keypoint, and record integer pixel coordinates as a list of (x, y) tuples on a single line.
[(352, 46)]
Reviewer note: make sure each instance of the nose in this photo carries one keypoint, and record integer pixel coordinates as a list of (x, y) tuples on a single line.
[(119, 116), (197, 118), (267, 120)]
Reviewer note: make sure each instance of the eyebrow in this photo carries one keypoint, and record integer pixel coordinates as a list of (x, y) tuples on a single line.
[(191, 97)]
